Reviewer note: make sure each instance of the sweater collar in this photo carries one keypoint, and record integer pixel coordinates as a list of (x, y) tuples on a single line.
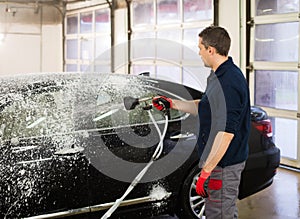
[(222, 68)]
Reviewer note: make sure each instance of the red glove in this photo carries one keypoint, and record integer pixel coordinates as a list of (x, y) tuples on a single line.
[(202, 184), (162, 103)]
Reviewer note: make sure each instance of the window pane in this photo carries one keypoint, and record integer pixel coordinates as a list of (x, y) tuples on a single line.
[(277, 89), (102, 20), (86, 68), (72, 24), (174, 35), (139, 51), (116, 117), (71, 68), (195, 77), (167, 11), (169, 73), (41, 113), (285, 133), (72, 49), (264, 7), (169, 50), (86, 21), (190, 40), (102, 46), (143, 12), (141, 35), (138, 69), (102, 68), (277, 42), (195, 10), (86, 49)]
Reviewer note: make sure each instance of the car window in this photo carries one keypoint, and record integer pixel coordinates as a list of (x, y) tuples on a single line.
[(68, 105), (36, 114), (115, 115)]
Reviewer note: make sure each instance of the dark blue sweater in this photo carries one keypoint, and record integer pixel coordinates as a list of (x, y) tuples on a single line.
[(225, 106)]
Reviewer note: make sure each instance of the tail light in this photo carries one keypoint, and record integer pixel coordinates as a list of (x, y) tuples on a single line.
[(265, 127)]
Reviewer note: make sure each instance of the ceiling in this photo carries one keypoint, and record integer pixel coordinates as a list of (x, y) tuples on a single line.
[(38, 1), (53, 2)]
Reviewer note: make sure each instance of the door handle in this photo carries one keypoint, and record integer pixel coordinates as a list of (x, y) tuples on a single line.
[(183, 135), (69, 150)]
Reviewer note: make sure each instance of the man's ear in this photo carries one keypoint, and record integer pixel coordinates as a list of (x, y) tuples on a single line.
[(211, 50)]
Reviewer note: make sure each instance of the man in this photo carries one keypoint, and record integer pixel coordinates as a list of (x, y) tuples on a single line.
[(224, 114)]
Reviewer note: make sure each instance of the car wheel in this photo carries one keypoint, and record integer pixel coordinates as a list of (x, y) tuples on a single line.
[(191, 205)]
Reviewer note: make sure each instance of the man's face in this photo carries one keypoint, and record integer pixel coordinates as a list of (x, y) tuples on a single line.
[(203, 53)]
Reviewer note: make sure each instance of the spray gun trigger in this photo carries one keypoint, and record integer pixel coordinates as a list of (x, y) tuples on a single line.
[(147, 107)]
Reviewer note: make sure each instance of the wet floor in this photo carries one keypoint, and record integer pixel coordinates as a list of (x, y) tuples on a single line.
[(280, 200)]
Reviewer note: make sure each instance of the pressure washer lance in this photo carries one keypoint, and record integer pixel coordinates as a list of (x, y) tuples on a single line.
[(131, 103)]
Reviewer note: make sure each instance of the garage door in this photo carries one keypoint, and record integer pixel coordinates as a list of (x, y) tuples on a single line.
[(274, 77)]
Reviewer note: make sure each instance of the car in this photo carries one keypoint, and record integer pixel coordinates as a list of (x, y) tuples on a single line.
[(71, 147)]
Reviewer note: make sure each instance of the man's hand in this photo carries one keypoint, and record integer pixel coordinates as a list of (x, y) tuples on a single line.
[(202, 184), (162, 103)]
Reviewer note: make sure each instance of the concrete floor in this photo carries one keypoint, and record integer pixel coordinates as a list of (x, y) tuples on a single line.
[(281, 200)]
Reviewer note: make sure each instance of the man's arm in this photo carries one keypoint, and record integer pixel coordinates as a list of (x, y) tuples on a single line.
[(219, 148), (190, 106)]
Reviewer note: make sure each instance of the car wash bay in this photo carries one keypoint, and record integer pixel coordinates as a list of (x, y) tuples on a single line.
[(81, 36)]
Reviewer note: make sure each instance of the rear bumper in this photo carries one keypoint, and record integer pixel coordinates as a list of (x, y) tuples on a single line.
[(260, 169)]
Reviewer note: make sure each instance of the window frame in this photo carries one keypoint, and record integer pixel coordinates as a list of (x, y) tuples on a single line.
[(92, 35), (179, 26)]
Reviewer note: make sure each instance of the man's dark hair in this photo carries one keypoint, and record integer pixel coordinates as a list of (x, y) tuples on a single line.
[(216, 37)]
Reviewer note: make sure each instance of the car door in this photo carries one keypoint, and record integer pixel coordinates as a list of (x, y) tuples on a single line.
[(120, 143), (42, 168)]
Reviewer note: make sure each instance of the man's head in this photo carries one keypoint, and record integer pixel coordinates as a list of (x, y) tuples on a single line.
[(216, 37), (214, 44)]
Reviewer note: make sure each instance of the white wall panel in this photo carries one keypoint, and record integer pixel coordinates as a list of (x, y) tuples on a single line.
[(52, 44), (32, 39), (20, 53), (229, 18)]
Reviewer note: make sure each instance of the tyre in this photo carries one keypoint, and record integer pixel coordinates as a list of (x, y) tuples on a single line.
[(191, 205)]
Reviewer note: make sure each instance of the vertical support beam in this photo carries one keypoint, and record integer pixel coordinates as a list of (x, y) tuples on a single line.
[(248, 28), (216, 12), (63, 14), (129, 33), (41, 36), (112, 7)]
